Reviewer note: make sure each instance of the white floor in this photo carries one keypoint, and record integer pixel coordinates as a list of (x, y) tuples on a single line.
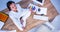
[(56, 4), (56, 23)]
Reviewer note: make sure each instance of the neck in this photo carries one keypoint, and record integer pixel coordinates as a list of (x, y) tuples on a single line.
[(16, 11)]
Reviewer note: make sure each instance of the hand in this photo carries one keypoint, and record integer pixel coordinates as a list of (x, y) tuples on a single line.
[(21, 20), (23, 27)]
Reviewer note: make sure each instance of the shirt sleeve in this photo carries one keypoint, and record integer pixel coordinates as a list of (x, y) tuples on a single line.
[(25, 16), (18, 7), (16, 22)]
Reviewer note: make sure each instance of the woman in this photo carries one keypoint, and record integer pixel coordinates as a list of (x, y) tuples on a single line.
[(17, 14)]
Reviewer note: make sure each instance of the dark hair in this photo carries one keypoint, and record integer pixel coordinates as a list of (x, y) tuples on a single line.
[(9, 3)]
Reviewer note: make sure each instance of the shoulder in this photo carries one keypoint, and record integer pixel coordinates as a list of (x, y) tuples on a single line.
[(10, 13), (18, 5)]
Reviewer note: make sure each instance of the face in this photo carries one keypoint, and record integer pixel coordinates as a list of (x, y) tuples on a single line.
[(13, 7)]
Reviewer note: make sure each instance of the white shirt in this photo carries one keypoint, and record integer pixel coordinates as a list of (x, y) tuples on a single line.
[(15, 16)]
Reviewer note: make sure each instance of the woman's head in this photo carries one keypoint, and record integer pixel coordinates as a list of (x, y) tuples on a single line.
[(11, 5)]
